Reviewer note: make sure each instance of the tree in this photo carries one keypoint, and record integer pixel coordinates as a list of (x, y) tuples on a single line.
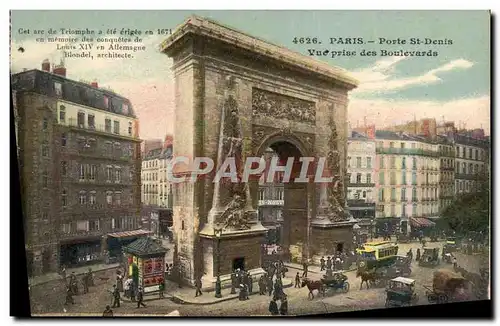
[(469, 212)]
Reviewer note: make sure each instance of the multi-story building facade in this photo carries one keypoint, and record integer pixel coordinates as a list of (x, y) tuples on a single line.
[(446, 188), (361, 190), (271, 199), (156, 188), (407, 181), (79, 167), (470, 167)]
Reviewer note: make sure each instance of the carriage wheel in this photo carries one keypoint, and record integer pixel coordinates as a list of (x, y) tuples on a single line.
[(442, 298), (432, 298), (346, 287)]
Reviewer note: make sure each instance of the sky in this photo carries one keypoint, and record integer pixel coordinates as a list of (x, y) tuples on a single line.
[(453, 86)]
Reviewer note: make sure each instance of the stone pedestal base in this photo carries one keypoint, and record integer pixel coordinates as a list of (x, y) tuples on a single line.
[(328, 238)]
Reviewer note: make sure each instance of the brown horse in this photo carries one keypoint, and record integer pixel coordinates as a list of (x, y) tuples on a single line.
[(313, 285), (366, 277)]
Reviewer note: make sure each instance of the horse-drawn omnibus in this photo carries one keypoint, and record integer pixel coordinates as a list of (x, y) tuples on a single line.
[(377, 254)]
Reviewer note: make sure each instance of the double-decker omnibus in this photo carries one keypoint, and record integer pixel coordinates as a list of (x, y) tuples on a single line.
[(377, 254)]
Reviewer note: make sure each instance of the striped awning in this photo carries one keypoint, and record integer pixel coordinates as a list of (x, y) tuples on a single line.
[(126, 234), (421, 222)]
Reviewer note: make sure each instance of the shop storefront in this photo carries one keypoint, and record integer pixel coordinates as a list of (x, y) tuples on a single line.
[(79, 252), (146, 263)]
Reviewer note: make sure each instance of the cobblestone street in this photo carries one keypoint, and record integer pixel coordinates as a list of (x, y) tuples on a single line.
[(49, 297)]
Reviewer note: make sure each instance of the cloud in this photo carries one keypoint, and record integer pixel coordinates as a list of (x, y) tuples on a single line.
[(473, 111), (379, 77)]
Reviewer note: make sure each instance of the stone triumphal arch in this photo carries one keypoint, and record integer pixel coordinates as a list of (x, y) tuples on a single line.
[(236, 95)]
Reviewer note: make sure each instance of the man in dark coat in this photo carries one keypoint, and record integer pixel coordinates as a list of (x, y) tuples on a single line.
[(234, 282), (85, 282), (197, 284), (262, 285), (322, 263), (297, 280), (306, 267), (116, 297), (270, 285), (140, 298), (90, 276), (250, 284), (328, 263), (273, 308), (417, 257), (284, 307), (107, 312)]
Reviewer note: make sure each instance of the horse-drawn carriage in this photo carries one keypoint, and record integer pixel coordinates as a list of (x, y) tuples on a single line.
[(401, 292), (430, 257), (336, 281), (446, 286)]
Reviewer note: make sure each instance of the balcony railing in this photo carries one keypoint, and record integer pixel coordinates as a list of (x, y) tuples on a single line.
[(406, 151), (359, 203), (469, 176), (361, 184), (74, 123)]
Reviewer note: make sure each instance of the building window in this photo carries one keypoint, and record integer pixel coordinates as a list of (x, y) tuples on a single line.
[(62, 114), (118, 175), (403, 145), (130, 128), (106, 102), (107, 125), (109, 197), (391, 144), (125, 108), (381, 178), (280, 194), (403, 194), (83, 198), (58, 88), (470, 168), (91, 121), (470, 153), (109, 173), (464, 168), (393, 194), (381, 195), (369, 162), (393, 210), (414, 178), (64, 168), (403, 178), (118, 198), (116, 127), (93, 199), (368, 178), (94, 225), (93, 172), (45, 179), (403, 210), (348, 161), (64, 198), (45, 124), (393, 178), (393, 162), (414, 210), (182, 225), (45, 150), (382, 162), (81, 119), (81, 172), (364, 194), (358, 162), (403, 163), (358, 178), (476, 168), (414, 163), (82, 226), (414, 194)]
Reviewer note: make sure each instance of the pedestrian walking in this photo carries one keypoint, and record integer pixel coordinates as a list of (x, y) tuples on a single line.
[(250, 284), (85, 283), (328, 263), (119, 281), (270, 286), (417, 256), (69, 296), (140, 298), (197, 284), (90, 276), (297, 280), (322, 263), (162, 289), (262, 285), (284, 307), (454, 262), (305, 267), (273, 308), (126, 288), (116, 297), (107, 312)]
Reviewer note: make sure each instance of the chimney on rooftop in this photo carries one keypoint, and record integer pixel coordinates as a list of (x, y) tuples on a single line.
[(94, 84), (46, 65), (60, 69)]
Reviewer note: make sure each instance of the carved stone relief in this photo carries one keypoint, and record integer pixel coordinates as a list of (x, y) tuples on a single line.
[(279, 106), (260, 133)]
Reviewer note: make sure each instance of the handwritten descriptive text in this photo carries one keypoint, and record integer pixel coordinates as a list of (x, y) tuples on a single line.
[(358, 46), (110, 43)]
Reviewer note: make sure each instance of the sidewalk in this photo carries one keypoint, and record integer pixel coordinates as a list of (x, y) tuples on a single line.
[(42, 279), (186, 295)]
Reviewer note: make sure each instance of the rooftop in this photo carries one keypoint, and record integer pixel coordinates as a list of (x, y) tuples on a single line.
[(145, 246), (43, 82)]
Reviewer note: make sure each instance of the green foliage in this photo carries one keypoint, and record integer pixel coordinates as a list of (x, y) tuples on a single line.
[(469, 212)]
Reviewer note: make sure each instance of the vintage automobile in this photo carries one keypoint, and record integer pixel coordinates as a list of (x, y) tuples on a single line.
[(336, 281), (446, 286), (403, 264), (451, 245), (400, 291), (430, 257), (447, 257)]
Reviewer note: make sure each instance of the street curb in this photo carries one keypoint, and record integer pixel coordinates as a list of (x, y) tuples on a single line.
[(76, 274), (180, 300)]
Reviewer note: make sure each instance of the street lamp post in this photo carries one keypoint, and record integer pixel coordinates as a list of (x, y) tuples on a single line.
[(371, 229), (218, 285)]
